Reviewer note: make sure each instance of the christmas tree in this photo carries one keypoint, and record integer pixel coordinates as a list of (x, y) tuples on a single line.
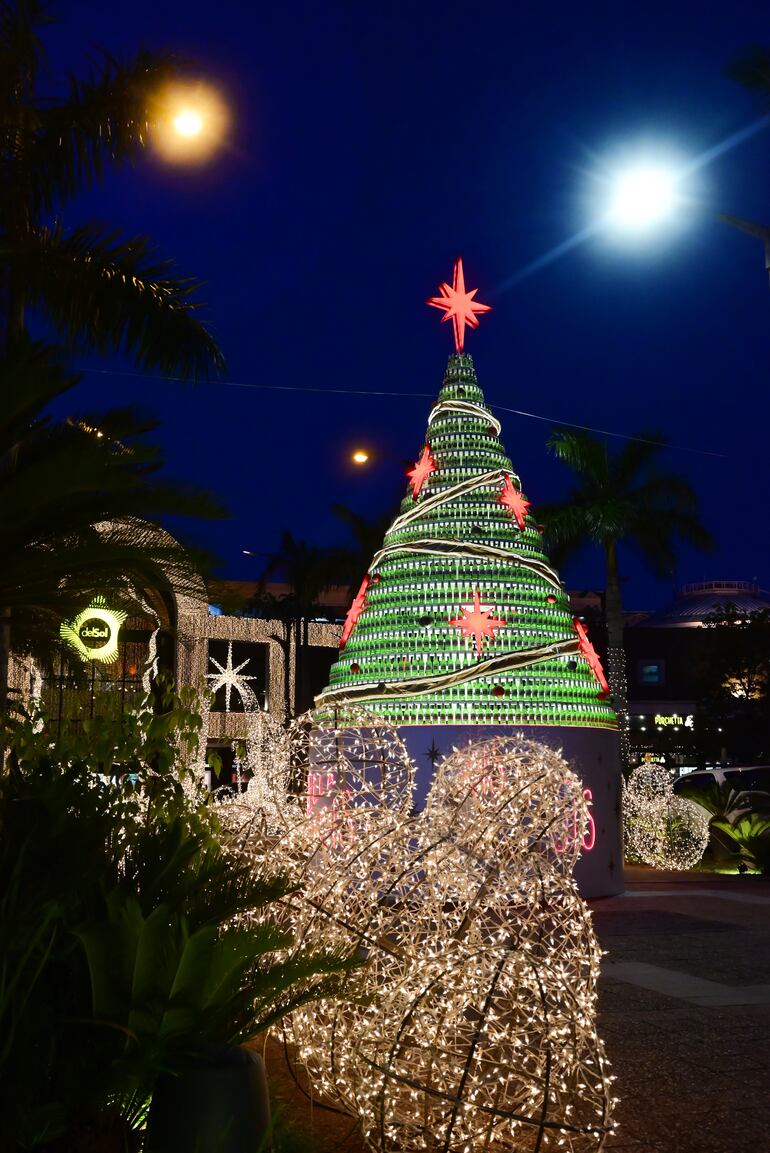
[(461, 619)]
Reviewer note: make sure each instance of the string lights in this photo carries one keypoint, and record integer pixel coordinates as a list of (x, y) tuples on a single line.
[(660, 828), (472, 1025)]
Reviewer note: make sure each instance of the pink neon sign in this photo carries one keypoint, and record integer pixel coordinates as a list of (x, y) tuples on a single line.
[(588, 838), (336, 815)]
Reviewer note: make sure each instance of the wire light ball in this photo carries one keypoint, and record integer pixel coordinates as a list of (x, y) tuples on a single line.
[(472, 1026), (660, 828), (533, 797)]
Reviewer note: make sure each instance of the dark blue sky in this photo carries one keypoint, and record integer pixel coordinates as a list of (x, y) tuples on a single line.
[(374, 143)]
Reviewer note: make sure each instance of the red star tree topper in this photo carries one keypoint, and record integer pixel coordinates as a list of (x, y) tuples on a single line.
[(458, 305), (477, 622), (354, 612), (421, 471), (513, 499), (591, 655)]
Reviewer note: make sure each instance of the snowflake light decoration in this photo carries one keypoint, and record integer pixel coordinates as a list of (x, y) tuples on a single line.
[(230, 677)]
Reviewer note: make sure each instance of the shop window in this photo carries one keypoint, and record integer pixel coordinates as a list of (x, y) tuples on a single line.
[(651, 672)]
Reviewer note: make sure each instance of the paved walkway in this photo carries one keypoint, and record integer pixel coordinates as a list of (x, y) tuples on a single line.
[(684, 1010)]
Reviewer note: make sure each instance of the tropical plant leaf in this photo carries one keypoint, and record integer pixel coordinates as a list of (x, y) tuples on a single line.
[(113, 295)]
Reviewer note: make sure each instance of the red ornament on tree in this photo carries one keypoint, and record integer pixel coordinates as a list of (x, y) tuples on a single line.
[(511, 497), (354, 612), (477, 622), (458, 305), (591, 655), (421, 471)]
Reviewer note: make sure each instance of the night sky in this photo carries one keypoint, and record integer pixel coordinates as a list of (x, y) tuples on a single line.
[(372, 144)]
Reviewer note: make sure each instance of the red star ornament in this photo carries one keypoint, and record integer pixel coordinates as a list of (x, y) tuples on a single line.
[(591, 655), (513, 499), (421, 471), (458, 304), (477, 622), (354, 612)]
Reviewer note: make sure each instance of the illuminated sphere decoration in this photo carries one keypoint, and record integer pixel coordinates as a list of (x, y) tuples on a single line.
[(660, 828), (472, 1024)]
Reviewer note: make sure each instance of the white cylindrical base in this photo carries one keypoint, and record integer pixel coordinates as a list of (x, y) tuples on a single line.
[(593, 754)]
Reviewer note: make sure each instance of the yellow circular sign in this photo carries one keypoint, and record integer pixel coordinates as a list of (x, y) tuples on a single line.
[(94, 632)]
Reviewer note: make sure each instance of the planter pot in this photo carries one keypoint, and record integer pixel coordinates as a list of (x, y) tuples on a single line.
[(220, 1106)]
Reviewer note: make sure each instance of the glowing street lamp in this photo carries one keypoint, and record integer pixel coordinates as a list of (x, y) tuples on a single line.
[(190, 123), (360, 456), (642, 197)]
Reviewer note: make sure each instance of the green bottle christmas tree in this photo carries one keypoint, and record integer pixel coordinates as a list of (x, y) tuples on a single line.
[(461, 619)]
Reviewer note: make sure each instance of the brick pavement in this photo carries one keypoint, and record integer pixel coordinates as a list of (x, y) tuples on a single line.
[(692, 1077)]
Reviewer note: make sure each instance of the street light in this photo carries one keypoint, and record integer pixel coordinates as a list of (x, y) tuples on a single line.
[(642, 197), (190, 123), (360, 456)]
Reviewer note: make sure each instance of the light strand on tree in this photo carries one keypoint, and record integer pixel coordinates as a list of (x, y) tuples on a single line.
[(462, 488), (467, 550), (502, 663), (468, 408), (616, 675)]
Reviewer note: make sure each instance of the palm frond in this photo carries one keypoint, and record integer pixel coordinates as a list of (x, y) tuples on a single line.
[(636, 457), (104, 120), (584, 454), (752, 70), (113, 294)]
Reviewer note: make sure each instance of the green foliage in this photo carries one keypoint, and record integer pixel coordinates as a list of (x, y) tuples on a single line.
[(751, 833), (74, 498), (131, 939), (622, 495), (740, 820), (738, 664), (307, 569), (367, 536)]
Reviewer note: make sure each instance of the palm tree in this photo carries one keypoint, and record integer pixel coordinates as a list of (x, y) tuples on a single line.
[(367, 535), (95, 288), (309, 571), (75, 498), (622, 498)]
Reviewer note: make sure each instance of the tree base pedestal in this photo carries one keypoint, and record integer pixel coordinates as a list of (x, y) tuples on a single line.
[(593, 754)]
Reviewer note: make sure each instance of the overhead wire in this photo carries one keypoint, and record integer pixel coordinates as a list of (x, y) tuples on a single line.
[(403, 396)]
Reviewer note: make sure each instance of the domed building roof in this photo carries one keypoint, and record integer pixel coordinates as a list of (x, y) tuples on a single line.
[(695, 601)]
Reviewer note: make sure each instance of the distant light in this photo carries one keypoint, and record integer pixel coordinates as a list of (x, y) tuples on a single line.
[(188, 123), (642, 196), (360, 457)]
